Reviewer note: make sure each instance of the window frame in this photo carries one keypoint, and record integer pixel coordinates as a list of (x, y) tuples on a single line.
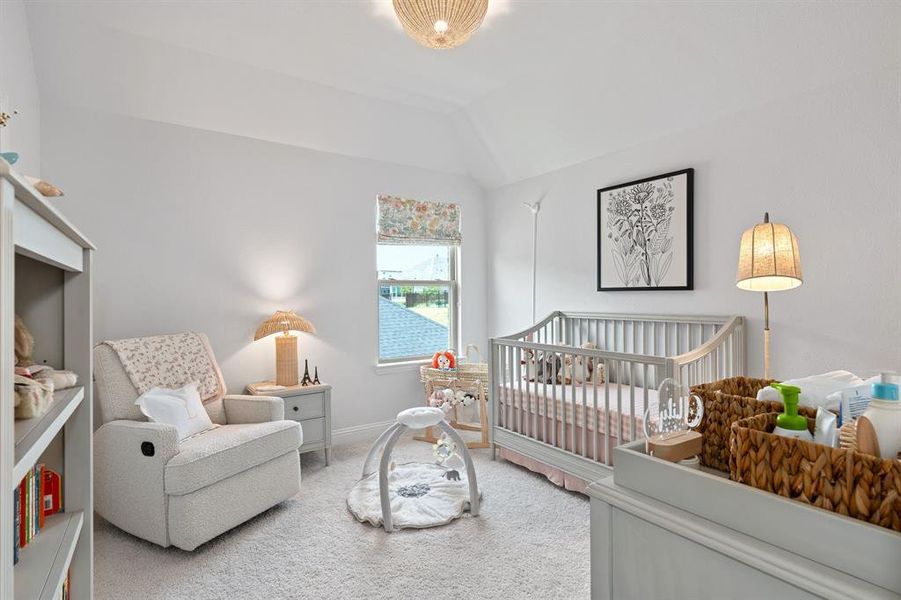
[(453, 300)]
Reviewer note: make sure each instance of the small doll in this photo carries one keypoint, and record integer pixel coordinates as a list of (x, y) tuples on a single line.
[(444, 360)]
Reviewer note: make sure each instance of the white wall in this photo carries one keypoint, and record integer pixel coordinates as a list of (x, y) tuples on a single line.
[(213, 232), (19, 89), (826, 163)]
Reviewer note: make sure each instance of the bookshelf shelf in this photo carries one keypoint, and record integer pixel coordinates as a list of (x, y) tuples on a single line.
[(46, 270), (43, 562), (34, 435)]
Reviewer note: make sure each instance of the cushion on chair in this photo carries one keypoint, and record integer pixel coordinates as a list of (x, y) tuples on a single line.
[(226, 451)]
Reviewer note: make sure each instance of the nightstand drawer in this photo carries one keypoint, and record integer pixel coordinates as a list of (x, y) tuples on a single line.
[(313, 431), (307, 406)]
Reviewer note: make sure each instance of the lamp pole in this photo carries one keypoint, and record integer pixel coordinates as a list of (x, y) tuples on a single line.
[(766, 322), (535, 208)]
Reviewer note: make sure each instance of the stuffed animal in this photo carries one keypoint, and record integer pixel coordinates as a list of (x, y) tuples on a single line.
[(582, 368), (548, 368), (34, 384), (464, 398), (24, 344), (444, 360), (447, 398), (530, 362), (32, 397), (443, 399)]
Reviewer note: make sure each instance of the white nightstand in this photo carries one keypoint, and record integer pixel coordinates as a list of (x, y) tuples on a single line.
[(310, 405)]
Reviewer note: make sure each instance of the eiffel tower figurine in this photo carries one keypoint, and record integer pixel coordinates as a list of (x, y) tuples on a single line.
[(316, 376), (306, 374)]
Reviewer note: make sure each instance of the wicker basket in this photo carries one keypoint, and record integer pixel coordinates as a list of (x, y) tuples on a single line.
[(836, 479), (468, 370), (725, 402)]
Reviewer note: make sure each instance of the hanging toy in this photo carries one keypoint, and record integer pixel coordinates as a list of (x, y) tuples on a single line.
[(445, 451)]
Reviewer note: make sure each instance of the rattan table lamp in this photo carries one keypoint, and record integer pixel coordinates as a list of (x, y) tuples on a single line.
[(284, 321), (768, 261)]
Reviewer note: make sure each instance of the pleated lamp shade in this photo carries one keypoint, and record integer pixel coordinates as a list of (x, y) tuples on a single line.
[(283, 321), (768, 259)]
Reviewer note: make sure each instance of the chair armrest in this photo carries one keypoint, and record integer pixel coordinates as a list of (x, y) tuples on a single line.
[(144, 439), (130, 459), (253, 409)]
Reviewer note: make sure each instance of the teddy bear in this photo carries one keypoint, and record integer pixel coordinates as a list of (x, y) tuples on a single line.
[(34, 384), (582, 368)]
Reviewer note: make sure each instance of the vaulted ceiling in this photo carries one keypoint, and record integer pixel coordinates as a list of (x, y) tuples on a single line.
[(542, 85)]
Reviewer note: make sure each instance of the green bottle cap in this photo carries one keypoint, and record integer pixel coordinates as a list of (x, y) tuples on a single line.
[(790, 419)]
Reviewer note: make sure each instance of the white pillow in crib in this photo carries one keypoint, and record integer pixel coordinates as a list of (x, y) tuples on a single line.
[(180, 408)]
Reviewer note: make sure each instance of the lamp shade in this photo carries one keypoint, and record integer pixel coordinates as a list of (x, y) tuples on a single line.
[(440, 24), (768, 258), (283, 321)]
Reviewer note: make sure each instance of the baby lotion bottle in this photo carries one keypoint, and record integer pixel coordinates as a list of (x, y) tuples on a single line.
[(884, 412), (790, 423)]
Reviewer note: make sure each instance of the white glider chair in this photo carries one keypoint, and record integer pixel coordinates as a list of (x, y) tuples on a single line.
[(185, 493)]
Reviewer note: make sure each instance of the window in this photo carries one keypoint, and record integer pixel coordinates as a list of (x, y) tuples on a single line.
[(418, 296)]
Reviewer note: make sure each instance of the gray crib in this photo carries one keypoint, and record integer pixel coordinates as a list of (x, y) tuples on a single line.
[(567, 406)]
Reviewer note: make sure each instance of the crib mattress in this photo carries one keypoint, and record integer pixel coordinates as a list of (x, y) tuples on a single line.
[(541, 403)]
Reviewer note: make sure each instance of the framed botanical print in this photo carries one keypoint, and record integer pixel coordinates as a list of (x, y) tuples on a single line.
[(645, 234)]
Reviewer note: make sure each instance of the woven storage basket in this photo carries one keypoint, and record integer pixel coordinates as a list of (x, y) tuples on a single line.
[(840, 480), (468, 370), (725, 402)]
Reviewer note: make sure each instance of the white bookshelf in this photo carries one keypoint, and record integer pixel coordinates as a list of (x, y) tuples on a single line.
[(33, 228)]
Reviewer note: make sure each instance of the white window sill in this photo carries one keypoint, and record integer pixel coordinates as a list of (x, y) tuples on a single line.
[(399, 367)]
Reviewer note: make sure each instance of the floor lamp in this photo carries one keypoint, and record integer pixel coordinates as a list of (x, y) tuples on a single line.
[(535, 208), (768, 261)]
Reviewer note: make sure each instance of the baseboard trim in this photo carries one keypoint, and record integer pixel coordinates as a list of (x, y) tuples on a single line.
[(359, 433)]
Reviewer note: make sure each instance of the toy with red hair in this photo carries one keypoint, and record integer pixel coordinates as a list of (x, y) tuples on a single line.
[(444, 360)]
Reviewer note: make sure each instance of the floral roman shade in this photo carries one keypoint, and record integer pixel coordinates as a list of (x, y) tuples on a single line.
[(405, 221)]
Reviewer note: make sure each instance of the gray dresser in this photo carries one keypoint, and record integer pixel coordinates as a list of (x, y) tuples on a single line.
[(310, 405)]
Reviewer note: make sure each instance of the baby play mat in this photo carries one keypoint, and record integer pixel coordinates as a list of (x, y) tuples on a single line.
[(416, 495), (421, 496)]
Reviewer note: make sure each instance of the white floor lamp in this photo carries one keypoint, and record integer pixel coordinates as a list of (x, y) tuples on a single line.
[(535, 208)]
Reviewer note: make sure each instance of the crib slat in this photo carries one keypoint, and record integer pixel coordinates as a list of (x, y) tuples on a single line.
[(563, 408), (553, 396), (594, 397), (522, 404), (574, 400), (631, 401), (607, 427), (646, 385), (619, 402), (502, 380), (509, 360), (584, 406), (537, 400), (495, 379)]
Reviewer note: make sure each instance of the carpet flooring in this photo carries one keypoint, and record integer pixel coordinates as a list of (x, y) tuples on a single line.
[(530, 541)]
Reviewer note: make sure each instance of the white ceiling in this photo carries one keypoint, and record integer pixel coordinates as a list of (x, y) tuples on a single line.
[(542, 85)]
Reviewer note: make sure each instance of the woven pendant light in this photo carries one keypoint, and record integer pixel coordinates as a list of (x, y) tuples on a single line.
[(440, 24)]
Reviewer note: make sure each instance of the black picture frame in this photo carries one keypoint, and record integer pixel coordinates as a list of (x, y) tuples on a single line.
[(689, 233)]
